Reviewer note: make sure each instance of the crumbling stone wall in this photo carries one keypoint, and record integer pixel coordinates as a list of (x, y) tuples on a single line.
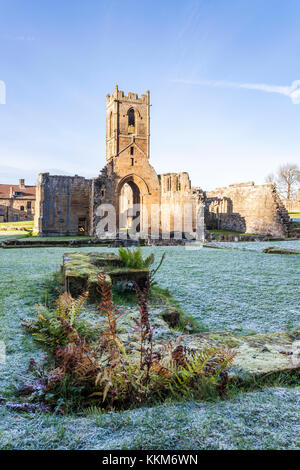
[(62, 205), (179, 202), (247, 208)]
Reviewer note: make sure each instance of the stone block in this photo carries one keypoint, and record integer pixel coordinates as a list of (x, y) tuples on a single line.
[(280, 251), (80, 273), (123, 278)]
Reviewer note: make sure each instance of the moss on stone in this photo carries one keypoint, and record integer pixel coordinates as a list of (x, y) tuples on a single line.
[(124, 278), (280, 251), (256, 355), (105, 259), (80, 272)]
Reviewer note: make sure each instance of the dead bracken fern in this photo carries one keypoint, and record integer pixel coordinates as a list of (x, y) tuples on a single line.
[(143, 330), (75, 361), (110, 373), (108, 309), (70, 308)]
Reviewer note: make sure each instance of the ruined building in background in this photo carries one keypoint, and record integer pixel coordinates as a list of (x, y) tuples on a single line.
[(293, 205), (71, 205), (17, 202), (248, 208)]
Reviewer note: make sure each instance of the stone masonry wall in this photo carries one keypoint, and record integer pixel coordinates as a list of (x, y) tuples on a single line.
[(247, 208), (62, 205), (179, 202)]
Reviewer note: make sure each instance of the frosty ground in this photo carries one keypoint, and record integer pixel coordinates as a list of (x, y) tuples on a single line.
[(237, 289)]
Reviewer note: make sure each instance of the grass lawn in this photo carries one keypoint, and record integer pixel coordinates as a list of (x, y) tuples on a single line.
[(26, 223), (228, 232), (8, 234), (226, 289), (16, 232), (74, 237)]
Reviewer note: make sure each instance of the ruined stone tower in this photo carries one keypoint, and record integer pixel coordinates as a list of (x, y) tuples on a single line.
[(128, 178), (127, 125)]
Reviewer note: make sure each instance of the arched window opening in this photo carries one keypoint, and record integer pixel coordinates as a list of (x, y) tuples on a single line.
[(131, 121)]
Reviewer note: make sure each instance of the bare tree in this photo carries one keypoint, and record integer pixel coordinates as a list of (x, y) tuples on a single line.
[(270, 178), (287, 179)]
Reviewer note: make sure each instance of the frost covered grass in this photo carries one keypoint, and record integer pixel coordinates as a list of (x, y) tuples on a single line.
[(258, 420), (6, 235), (237, 289)]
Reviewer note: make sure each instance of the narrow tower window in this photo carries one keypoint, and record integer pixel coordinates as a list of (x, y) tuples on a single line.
[(110, 124), (131, 121), (131, 150)]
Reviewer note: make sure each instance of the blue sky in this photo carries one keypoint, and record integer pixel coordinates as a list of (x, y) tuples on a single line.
[(210, 65)]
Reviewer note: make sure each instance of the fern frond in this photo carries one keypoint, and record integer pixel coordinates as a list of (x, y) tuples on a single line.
[(76, 307), (149, 260), (64, 304)]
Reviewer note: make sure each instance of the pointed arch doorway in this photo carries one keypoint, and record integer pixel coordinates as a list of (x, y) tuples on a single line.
[(130, 207), (132, 191)]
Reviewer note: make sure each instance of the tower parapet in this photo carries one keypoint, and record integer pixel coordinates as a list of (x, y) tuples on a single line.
[(131, 97), (127, 125)]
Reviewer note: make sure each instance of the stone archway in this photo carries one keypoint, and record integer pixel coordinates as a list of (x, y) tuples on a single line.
[(129, 203), (130, 197)]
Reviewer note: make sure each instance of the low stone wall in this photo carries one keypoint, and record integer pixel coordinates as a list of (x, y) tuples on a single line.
[(80, 272)]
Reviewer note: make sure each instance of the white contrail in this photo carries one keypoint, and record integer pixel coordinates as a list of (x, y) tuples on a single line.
[(293, 91)]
